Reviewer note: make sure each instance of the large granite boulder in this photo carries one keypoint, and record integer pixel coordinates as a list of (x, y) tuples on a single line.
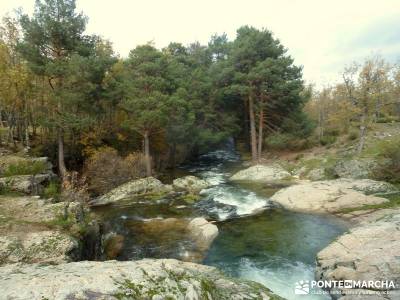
[(190, 184), (332, 196), (367, 252), (354, 168), (261, 173), (31, 230), (27, 210), (27, 184), (143, 186), (143, 279)]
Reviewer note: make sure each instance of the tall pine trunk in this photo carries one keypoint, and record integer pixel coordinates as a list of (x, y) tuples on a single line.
[(147, 153), (246, 128), (61, 160), (172, 155), (253, 134), (363, 129), (260, 131)]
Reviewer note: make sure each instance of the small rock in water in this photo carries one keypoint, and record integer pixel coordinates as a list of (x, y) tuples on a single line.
[(113, 245), (216, 210)]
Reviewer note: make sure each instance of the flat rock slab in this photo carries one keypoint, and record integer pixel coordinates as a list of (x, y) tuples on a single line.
[(26, 234), (370, 251), (261, 173), (42, 246), (366, 216), (331, 196), (143, 279), (33, 209)]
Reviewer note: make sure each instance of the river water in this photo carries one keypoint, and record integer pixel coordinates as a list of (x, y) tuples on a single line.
[(257, 240)]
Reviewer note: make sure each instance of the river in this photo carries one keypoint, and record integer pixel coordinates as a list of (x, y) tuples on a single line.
[(257, 240)]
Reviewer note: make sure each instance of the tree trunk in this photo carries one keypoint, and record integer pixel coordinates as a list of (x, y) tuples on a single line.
[(320, 124), (147, 153), (246, 129), (27, 144), (172, 155), (260, 131), (363, 129), (378, 107), (61, 161), (253, 134)]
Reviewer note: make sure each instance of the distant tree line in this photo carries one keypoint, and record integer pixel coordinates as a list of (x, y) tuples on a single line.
[(369, 93), (67, 95)]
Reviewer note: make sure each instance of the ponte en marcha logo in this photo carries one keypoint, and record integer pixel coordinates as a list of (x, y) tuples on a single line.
[(306, 287)]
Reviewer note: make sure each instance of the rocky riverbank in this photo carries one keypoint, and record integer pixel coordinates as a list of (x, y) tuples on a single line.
[(370, 249), (35, 231), (324, 196), (143, 279), (368, 252), (43, 243)]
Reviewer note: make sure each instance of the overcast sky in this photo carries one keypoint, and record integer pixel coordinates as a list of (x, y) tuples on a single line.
[(321, 35)]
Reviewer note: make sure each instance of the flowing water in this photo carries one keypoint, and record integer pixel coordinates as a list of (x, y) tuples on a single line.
[(256, 241)]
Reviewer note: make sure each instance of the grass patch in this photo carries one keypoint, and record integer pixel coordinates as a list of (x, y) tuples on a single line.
[(61, 222), (25, 168), (190, 198), (152, 196), (394, 201), (7, 191), (4, 220)]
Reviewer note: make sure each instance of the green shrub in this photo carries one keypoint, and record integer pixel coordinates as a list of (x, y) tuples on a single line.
[(282, 141), (298, 124), (388, 154), (278, 141), (353, 135), (61, 221), (330, 172), (332, 132), (328, 140), (106, 169), (25, 168), (387, 119), (52, 190)]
